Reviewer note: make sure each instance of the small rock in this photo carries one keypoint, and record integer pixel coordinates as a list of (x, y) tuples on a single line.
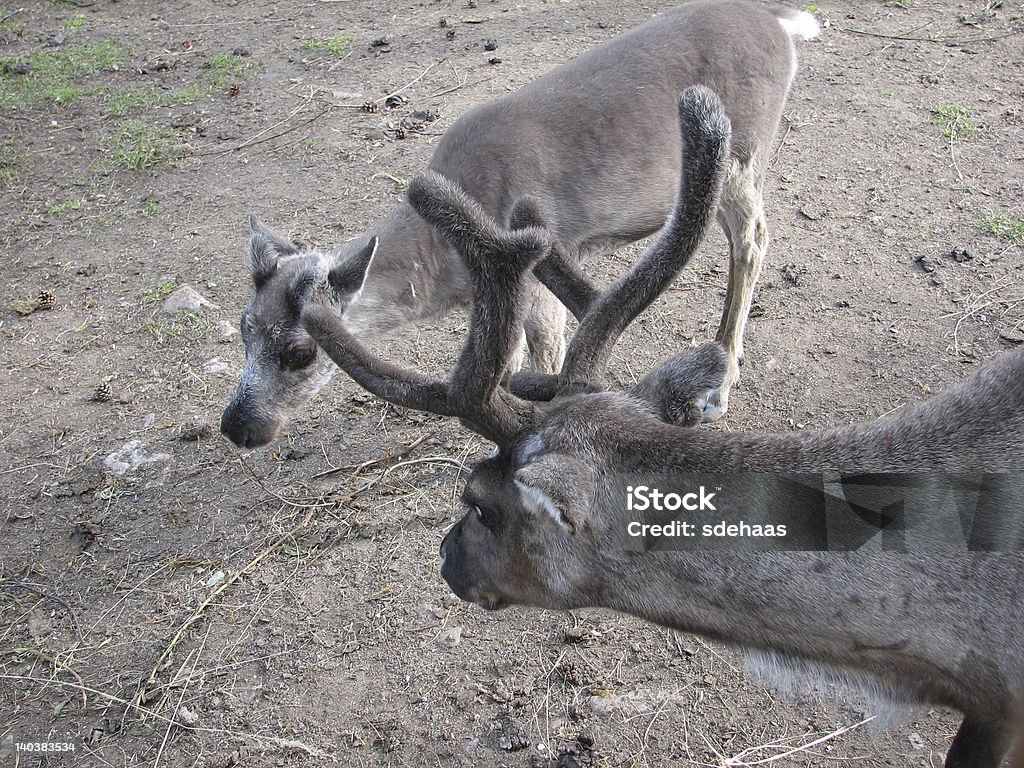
[(961, 255), (21, 68), (296, 454), (490, 45), (187, 717), (812, 212), (425, 115), (574, 636), (936, 279), (925, 263), (131, 456), (842, 304), (916, 742), (186, 298), (450, 637), (216, 365), (494, 60), (396, 100), (1012, 335), (514, 741), (226, 332), (241, 51)]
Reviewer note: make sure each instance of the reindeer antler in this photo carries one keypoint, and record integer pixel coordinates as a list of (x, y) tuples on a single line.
[(497, 259), (705, 133)]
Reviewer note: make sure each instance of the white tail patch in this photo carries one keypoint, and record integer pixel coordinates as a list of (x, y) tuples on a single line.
[(802, 25)]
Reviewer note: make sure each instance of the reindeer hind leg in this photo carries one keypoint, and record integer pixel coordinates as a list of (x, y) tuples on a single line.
[(741, 215)]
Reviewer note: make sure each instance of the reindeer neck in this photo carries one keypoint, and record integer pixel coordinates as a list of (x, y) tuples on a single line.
[(976, 426)]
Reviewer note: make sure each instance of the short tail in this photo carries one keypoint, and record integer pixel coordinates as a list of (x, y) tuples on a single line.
[(798, 24)]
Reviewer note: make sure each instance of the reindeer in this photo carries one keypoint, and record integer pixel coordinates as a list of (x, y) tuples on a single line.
[(545, 512), (594, 141)]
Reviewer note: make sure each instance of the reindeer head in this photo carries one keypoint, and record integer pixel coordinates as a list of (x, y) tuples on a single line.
[(283, 367), (533, 533)]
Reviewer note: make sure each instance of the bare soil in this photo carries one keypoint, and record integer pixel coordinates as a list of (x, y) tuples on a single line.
[(210, 607)]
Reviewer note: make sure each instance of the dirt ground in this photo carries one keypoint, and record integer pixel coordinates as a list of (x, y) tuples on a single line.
[(168, 600)]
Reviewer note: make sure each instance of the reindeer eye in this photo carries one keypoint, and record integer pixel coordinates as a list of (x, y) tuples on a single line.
[(297, 356), (486, 516)]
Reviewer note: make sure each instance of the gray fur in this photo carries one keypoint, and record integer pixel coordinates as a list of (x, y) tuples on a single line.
[(544, 520), (499, 260), (943, 630), (599, 154)]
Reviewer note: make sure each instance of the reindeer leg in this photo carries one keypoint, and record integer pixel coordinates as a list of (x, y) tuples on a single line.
[(545, 330), (978, 745), (742, 217)]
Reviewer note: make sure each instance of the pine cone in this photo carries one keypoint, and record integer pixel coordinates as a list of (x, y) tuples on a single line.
[(103, 393), (46, 300)]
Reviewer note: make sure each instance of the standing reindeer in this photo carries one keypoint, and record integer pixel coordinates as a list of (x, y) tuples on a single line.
[(594, 141), (545, 514)]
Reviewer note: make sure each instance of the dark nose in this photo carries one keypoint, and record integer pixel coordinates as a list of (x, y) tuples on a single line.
[(453, 562), (233, 428), (238, 424)]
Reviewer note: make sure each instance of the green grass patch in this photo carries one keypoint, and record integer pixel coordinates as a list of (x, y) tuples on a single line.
[(187, 324), (224, 67), (335, 46), (183, 97), (75, 22), (71, 204), (138, 146), (12, 28), (159, 292), (1005, 226), (956, 121), (221, 70), (124, 102), (55, 76)]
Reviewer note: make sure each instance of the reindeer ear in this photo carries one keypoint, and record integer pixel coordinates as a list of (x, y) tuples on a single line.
[(680, 389), (348, 277), (557, 489), (266, 247)]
